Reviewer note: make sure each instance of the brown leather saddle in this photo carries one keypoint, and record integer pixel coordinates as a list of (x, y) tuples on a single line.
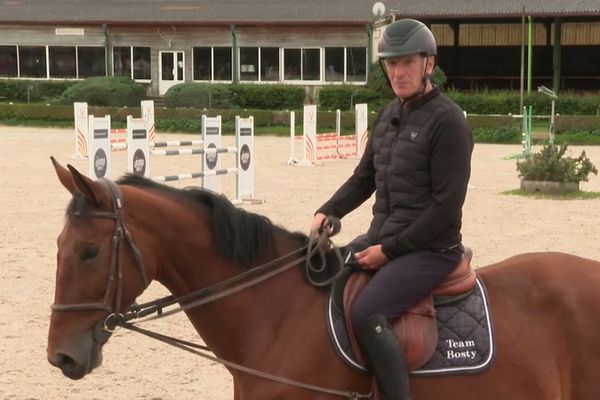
[(417, 328)]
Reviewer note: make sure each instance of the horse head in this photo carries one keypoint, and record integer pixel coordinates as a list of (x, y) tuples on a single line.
[(95, 252)]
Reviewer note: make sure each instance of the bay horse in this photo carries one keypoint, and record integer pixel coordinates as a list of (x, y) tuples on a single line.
[(117, 238)]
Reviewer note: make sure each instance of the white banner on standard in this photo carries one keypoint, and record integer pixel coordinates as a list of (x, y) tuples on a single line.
[(361, 122), (99, 147), (211, 134), (309, 136), (147, 107), (244, 134), (80, 111), (138, 152)]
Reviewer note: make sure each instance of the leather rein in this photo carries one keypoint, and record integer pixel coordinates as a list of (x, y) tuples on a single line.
[(104, 329)]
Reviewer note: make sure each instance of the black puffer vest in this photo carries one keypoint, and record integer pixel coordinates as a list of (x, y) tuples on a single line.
[(409, 143)]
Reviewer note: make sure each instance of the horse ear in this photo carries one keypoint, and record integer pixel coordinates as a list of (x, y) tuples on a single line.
[(64, 176), (90, 189)]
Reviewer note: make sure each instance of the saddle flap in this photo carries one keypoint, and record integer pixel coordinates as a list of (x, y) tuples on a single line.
[(416, 329)]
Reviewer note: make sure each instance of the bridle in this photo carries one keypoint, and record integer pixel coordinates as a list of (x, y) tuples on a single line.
[(104, 329), (120, 235)]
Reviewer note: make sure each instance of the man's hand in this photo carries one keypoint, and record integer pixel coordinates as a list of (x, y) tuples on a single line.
[(317, 222), (371, 258)]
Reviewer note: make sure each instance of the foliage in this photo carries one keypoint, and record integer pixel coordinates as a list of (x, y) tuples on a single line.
[(269, 97), (502, 134), (105, 91), (344, 97), (551, 164), (571, 195), (39, 90), (578, 137), (200, 95), (507, 102)]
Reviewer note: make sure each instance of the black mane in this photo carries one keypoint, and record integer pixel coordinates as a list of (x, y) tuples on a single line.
[(240, 236)]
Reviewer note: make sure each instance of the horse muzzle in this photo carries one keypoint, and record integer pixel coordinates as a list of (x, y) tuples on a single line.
[(78, 356)]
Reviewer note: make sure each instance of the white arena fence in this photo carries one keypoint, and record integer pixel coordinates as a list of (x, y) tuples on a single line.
[(117, 136), (326, 146), (140, 151)]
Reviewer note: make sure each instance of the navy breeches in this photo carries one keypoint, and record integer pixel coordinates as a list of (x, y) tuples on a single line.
[(402, 282)]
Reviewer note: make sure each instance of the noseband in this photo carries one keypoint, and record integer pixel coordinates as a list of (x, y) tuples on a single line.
[(120, 235)]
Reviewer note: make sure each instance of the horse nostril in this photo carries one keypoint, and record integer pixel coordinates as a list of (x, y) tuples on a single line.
[(62, 361), (66, 362)]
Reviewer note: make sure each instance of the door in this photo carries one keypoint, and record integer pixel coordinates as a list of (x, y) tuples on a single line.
[(171, 70)]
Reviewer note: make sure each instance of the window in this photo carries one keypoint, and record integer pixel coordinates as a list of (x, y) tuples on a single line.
[(302, 64), (32, 62), (122, 61), (8, 61), (291, 58), (249, 63), (212, 63), (63, 62), (91, 61), (141, 63), (222, 64), (334, 64), (269, 64), (356, 64), (202, 63)]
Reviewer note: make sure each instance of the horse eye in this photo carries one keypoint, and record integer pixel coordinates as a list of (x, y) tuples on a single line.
[(90, 252)]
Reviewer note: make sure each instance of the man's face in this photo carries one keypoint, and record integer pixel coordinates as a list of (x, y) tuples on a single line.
[(406, 73)]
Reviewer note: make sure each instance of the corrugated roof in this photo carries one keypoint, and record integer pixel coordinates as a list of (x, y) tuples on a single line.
[(275, 11)]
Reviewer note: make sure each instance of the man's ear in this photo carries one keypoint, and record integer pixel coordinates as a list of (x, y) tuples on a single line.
[(431, 61)]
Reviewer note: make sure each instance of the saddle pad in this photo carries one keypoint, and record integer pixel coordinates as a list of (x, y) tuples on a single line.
[(465, 337), (465, 343)]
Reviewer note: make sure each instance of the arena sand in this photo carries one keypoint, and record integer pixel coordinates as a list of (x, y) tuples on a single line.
[(496, 226)]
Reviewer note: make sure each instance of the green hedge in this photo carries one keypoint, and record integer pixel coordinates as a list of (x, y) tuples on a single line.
[(105, 91), (209, 95), (268, 97), (345, 96), (199, 95), (16, 89), (507, 102)]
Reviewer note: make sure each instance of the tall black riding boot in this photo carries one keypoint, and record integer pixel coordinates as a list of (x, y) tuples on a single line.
[(386, 358)]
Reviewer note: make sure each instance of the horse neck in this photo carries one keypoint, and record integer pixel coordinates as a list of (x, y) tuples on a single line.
[(180, 246)]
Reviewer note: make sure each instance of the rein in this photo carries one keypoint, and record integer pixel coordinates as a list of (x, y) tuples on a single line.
[(316, 245)]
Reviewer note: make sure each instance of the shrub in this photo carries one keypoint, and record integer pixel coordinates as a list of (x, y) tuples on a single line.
[(105, 91), (268, 97), (343, 97), (502, 134), (199, 95), (551, 164), (16, 89)]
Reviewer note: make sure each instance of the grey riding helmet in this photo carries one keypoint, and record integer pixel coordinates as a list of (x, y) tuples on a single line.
[(405, 37)]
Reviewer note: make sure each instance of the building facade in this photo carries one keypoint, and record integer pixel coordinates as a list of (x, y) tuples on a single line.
[(313, 43)]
